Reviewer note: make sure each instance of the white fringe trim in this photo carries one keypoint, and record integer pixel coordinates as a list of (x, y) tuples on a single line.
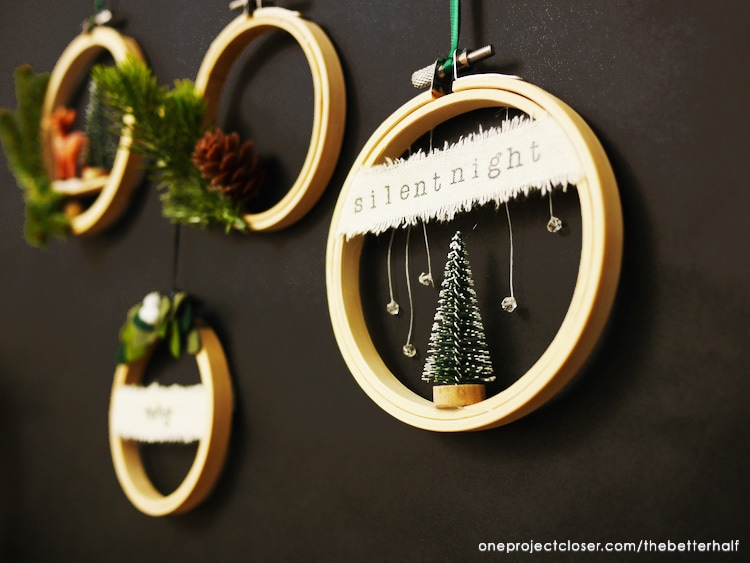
[(160, 414)]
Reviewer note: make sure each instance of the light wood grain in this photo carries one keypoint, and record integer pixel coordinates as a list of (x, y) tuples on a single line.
[(601, 256)]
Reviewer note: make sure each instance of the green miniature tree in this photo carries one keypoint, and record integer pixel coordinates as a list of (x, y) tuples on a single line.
[(102, 144), (458, 352)]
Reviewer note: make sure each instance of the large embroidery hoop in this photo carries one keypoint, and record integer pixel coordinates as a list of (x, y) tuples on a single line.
[(601, 256), (65, 79), (212, 449), (329, 103)]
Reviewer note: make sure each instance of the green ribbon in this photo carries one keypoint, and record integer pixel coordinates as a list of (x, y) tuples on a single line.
[(455, 30), (98, 6)]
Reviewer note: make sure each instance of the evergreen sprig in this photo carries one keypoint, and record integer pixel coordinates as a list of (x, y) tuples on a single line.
[(20, 136), (165, 124)]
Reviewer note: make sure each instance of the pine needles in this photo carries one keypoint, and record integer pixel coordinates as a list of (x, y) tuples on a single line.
[(165, 126), (20, 135)]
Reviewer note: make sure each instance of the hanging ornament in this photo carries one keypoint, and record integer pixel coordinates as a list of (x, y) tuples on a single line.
[(329, 101), (197, 413), (548, 145), (65, 192)]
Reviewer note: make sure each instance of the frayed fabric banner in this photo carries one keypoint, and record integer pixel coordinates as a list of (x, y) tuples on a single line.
[(494, 165), (157, 413)]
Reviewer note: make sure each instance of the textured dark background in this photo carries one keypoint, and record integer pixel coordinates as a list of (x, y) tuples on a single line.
[(651, 440)]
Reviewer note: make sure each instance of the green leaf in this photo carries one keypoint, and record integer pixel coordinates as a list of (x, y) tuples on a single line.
[(186, 317), (177, 301), (193, 342), (175, 342)]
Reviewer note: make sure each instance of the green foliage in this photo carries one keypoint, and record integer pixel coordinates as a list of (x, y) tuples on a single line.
[(171, 319), (458, 351), (165, 126), (20, 136)]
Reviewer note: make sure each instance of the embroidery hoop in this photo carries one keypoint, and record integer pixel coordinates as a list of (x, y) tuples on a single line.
[(212, 449), (65, 78), (601, 256), (329, 103)]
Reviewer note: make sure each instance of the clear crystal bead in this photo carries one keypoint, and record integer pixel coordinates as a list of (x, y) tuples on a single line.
[(393, 308), (554, 225), (509, 304), (426, 279), (409, 350)]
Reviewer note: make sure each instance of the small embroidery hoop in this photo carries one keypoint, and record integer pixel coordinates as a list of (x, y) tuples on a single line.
[(599, 269), (212, 450), (65, 78), (329, 103)]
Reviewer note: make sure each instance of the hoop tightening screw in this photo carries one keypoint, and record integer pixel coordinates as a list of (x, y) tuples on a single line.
[(436, 77)]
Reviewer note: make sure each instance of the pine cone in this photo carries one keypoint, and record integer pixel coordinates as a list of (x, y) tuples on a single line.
[(233, 169)]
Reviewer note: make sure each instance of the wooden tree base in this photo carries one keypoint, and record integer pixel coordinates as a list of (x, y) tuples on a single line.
[(454, 396)]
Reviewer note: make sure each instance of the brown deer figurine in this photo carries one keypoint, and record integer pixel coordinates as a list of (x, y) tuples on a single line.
[(67, 145)]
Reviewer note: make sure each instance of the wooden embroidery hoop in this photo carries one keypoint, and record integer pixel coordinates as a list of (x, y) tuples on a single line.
[(65, 79), (329, 103), (601, 256), (212, 449)]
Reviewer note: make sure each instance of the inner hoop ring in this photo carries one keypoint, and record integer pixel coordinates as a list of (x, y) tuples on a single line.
[(64, 80), (329, 103), (212, 449), (596, 283)]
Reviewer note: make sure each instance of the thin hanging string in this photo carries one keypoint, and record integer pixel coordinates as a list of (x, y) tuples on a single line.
[(510, 233), (392, 307), (509, 304), (408, 348), (425, 278), (455, 30), (175, 256)]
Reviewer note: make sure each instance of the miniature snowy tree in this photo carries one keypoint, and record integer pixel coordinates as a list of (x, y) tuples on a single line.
[(458, 352), (102, 144)]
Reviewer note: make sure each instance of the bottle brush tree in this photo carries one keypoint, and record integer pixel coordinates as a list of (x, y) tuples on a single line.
[(457, 352)]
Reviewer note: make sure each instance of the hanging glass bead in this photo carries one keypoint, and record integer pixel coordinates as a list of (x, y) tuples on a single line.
[(554, 225), (509, 304), (393, 308)]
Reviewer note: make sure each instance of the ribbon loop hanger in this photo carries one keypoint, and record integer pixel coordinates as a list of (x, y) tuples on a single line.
[(441, 74)]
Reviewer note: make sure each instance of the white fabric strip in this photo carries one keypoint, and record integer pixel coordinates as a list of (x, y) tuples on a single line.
[(160, 414), (489, 166)]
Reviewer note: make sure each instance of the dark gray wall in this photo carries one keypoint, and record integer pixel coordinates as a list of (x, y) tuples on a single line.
[(651, 441)]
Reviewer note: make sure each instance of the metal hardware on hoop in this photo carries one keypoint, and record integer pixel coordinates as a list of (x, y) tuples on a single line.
[(245, 5), (441, 80)]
